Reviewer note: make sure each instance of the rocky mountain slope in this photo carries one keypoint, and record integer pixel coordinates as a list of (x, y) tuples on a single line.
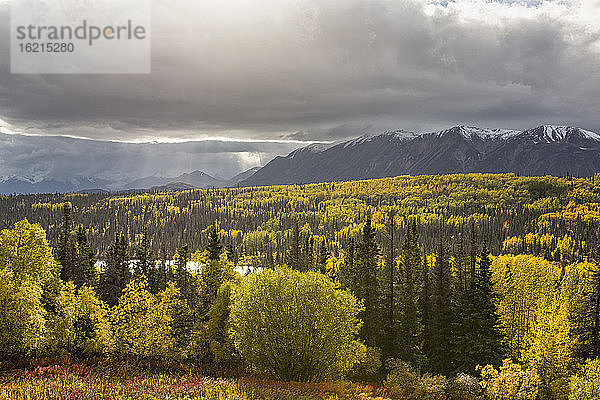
[(547, 149)]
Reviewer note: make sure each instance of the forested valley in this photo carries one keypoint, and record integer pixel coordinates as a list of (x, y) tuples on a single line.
[(432, 287)]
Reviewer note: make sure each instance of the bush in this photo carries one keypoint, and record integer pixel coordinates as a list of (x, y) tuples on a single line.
[(510, 383), (586, 386), (367, 367), (403, 382), (465, 387), (295, 326)]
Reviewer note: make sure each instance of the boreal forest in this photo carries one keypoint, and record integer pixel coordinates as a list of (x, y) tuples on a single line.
[(475, 286)]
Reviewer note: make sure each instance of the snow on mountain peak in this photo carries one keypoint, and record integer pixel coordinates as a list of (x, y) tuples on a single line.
[(557, 133), (471, 132), (311, 148), (400, 134)]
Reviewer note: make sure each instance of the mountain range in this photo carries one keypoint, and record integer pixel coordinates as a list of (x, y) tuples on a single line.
[(544, 150), (192, 180)]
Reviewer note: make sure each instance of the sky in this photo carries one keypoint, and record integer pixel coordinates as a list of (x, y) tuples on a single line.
[(268, 76)]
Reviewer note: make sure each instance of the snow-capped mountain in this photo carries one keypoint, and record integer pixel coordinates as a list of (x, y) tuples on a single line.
[(547, 149), (557, 134)]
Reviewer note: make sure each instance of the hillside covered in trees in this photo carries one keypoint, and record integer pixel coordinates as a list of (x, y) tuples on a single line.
[(458, 286), (537, 215)]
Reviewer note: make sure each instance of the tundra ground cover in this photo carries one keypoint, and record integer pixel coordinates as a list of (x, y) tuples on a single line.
[(120, 380)]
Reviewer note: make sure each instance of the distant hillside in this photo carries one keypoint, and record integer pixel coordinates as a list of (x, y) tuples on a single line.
[(547, 149)]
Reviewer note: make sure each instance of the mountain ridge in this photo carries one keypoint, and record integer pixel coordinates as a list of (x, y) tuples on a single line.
[(546, 149)]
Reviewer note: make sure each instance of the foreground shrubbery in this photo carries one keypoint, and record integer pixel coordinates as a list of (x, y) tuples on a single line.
[(296, 326), (114, 380)]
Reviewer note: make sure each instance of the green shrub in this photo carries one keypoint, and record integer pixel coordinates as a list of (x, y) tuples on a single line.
[(367, 367), (295, 326), (403, 382), (586, 386)]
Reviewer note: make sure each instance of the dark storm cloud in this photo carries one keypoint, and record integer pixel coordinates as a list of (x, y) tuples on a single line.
[(309, 69)]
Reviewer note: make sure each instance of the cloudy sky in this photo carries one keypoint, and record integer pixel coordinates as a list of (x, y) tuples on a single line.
[(267, 76)]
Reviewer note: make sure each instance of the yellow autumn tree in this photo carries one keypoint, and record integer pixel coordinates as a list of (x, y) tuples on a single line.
[(524, 284), (510, 382), (29, 285), (142, 321), (82, 325), (22, 317), (552, 350)]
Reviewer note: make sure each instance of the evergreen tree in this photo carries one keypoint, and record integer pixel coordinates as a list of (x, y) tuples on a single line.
[(86, 262), (425, 312), (117, 273), (389, 344), (183, 277), (410, 327), (477, 338), (366, 285), (586, 316), (74, 252), (293, 253), (231, 254), (214, 245), (183, 318), (145, 264), (440, 356), (323, 256), (307, 260), (66, 250)]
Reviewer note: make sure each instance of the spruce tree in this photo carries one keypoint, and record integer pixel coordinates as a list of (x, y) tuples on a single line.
[(214, 245), (426, 339), (440, 355), (490, 344), (65, 253), (231, 254), (323, 256), (389, 344), (183, 313), (307, 259), (293, 253), (86, 262), (586, 316), (182, 275), (144, 255), (366, 286), (410, 327), (117, 273), (477, 339)]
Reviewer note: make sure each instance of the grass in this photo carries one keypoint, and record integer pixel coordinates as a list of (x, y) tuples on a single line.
[(121, 380)]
